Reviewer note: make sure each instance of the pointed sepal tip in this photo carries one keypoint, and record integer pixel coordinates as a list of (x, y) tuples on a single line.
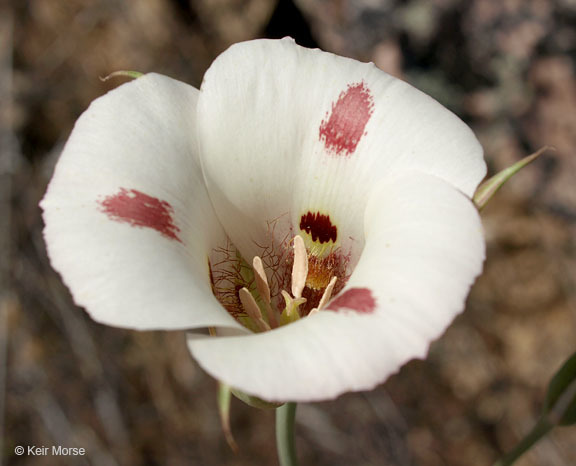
[(489, 187)]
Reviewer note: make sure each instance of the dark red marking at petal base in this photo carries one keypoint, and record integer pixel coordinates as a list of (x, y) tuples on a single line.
[(319, 227), (343, 129), (357, 299), (140, 210)]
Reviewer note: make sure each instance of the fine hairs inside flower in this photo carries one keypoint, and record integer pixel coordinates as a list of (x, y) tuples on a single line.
[(291, 311)]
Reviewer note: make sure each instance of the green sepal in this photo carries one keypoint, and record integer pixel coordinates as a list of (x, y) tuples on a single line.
[(224, 396), (560, 406), (124, 73), (487, 189), (254, 401)]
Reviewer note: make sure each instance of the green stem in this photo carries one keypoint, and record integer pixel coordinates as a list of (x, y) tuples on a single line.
[(539, 431), (285, 416)]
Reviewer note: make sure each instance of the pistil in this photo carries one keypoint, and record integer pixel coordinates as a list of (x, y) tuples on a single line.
[(291, 312)]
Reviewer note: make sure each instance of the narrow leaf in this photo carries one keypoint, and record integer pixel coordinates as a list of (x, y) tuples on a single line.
[(560, 407)]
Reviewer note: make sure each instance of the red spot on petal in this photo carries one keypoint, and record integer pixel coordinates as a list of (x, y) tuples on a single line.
[(140, 210), (357, 299), (343, 129), (319, 227)]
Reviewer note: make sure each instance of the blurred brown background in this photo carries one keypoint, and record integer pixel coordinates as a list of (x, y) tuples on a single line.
[(506, 66)]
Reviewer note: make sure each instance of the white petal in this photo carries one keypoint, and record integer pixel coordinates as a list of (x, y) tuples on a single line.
[(128, 221), (286, 131), (424, 248)]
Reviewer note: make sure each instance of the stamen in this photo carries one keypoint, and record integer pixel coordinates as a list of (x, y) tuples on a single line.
[(264, 289), (327, 293), (325, 296), (252, 309), (300, 267)]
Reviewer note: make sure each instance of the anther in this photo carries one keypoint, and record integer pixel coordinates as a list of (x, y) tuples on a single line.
[(325, 297), (300, 267), (264, 289), (327, 293), (252, 309)]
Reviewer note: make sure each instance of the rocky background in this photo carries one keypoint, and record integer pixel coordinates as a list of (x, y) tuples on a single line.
[(506, 66)]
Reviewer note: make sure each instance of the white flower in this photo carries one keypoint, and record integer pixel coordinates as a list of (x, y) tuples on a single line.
[(164, 195)]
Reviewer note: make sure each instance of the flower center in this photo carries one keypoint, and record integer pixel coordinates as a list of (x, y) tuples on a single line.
[(272, 318), (302, 283)]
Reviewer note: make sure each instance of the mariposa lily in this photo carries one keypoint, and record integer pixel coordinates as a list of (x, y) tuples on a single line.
[(310, 210)]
